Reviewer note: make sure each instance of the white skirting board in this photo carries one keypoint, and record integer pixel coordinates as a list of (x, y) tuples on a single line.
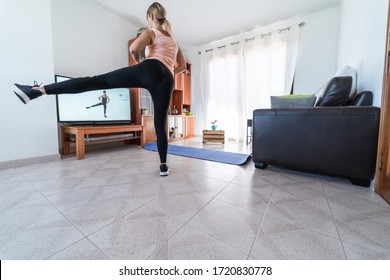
[(28, 161)]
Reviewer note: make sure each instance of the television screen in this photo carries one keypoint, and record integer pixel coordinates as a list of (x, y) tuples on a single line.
[(94, 107)]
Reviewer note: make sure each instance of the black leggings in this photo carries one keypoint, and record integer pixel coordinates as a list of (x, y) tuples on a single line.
[(151, 74), (101, 104)]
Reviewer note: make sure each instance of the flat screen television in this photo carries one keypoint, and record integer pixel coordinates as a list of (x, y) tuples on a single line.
[(98, 107)]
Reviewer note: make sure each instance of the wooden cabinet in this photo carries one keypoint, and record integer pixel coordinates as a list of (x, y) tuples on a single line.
[(187, 91), (148, 125), (181, 97), (175, 127), (189, 127), (178, 126)]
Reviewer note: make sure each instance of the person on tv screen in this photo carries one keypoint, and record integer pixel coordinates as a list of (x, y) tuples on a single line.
[(155, 73), (104, 101)]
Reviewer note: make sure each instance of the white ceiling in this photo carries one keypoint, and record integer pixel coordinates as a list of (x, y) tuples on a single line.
[(198, 22)]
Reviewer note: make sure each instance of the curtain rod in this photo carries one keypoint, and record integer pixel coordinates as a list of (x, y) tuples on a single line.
[(223, 46), (300, 25)]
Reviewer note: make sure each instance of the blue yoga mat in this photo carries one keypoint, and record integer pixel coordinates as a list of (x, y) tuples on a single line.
[(212, 155)]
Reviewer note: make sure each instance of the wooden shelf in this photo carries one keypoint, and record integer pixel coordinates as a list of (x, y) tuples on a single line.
[(181, 97)]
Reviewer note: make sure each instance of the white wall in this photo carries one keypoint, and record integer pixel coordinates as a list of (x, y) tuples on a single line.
[(88, 39), (26, 54), (362, 42), (318, 51), (316, 63), (41, 38)]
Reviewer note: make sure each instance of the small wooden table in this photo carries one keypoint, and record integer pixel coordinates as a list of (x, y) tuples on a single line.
[(85, 135), (214, 136)]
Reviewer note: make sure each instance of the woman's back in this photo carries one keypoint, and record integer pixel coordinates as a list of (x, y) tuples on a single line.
[(163, 48)]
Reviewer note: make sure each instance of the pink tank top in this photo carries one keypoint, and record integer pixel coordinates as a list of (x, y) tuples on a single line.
[(163, 48)]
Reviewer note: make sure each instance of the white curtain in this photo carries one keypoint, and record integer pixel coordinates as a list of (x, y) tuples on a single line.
[(241, 77), (221, 88), (269, 66)]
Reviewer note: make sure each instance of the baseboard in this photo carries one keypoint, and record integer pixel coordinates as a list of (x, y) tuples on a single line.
[(28, 161)]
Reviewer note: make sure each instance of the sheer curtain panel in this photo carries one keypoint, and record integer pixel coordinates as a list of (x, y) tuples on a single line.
[(240, 77)]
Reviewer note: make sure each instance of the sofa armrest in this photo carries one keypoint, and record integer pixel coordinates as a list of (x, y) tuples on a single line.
[(332, 140)]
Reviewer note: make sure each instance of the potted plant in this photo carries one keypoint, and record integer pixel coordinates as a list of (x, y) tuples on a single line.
[(213, 125)]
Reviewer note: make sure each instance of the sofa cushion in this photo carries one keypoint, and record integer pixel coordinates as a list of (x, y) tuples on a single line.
[(335, 92), (348, 71), (293, 101), (364, 98)]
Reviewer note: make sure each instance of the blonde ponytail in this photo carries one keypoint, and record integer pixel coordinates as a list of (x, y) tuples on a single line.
[(167, 26), (158, 11)]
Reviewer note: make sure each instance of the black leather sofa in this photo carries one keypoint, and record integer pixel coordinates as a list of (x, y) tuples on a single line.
[(326, 139)]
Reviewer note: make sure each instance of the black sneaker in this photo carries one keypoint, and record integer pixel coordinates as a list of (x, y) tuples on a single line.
[(26, 93), (164, 169)]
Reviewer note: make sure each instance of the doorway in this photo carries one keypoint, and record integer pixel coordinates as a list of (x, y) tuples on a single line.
[(382, 176)]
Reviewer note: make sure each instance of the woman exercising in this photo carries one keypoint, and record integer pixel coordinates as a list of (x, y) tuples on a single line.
[(154, 73), (104, 100)]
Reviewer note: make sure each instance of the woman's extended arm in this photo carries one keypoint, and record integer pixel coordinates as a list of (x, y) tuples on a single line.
[(146, 38), (180, 63)]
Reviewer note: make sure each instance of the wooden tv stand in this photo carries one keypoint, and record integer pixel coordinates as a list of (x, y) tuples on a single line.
[(86, 135)]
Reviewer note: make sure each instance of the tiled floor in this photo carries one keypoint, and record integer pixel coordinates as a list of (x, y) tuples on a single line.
[(114, 205)]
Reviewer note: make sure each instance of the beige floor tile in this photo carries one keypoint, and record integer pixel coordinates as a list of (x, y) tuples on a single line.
[(180, 207), (370, 233), (257, 178), (306, 214), (228, 224), (96, 214), (252, 198), (10, 176), (52, 186), (219, 173), (281, 240), (357, 252), (81, 250), (40, 240), (189, 244), (68, 199), (23, 213), (203, 185), (135, 236), (103, 214)]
